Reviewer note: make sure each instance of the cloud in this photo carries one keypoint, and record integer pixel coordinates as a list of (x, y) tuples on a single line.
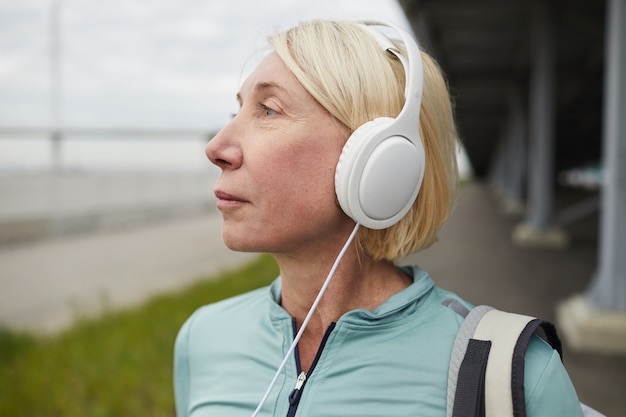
[(146, 64)]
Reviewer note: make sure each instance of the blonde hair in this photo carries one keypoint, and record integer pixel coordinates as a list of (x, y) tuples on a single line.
[(343, 67)]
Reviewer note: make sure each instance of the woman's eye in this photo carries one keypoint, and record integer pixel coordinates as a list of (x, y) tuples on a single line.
[(267, 111)]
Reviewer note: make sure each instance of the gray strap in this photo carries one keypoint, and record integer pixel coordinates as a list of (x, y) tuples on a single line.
[(469, 400), (456, 306), (466, 331)]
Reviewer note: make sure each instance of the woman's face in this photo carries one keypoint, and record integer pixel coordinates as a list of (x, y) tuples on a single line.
[(278, 157)]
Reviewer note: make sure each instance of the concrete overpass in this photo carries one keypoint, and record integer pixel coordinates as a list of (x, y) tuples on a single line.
[(540, 99)]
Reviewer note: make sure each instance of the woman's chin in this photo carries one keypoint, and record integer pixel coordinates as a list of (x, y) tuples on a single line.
[(239, 242)]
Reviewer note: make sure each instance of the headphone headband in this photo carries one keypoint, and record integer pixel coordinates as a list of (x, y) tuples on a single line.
[(413, 69)]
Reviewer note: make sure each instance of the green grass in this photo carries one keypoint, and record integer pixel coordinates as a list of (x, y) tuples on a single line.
[(117, 365)]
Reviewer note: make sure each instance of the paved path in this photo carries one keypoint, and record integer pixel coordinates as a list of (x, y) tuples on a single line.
[(44, 285)]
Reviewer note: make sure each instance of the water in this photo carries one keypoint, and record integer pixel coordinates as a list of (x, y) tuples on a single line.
[(99, 183), (88, 153)]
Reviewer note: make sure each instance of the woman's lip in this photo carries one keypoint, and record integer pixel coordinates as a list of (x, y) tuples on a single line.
[(226, 201), (221, 195)]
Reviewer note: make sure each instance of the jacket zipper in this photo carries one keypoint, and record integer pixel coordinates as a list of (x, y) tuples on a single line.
[(296, 394)]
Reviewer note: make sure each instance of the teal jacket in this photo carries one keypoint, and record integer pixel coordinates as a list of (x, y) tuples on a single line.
[(389, 362)]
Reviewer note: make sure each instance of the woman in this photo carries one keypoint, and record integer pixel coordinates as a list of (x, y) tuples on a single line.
[(379, 341)]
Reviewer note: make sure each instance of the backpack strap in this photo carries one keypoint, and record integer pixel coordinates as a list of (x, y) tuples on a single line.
[(486, 375), (509, 335), (463, 336)]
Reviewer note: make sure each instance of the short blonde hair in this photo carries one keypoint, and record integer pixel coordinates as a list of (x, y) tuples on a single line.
[(343, 67)]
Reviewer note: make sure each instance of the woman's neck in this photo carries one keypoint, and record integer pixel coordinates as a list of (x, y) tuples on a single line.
[(358, 283)]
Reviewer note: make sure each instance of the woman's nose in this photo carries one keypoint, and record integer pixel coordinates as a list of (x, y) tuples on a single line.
[(224, 150)]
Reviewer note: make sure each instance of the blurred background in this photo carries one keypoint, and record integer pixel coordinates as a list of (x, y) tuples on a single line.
[(100, 104), (105, 192)]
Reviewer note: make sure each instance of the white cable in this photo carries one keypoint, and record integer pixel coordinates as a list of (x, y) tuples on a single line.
[(306, 320)]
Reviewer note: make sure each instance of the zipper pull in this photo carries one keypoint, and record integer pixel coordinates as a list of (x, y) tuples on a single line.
[(294, 397), (301, 380)]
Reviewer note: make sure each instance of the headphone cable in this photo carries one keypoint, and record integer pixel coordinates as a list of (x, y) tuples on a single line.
[(306, 320)]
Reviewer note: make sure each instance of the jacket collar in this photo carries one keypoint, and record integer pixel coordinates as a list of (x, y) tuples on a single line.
[(396, 307)]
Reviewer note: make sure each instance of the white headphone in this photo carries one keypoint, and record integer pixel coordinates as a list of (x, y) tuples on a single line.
[(381, 166)]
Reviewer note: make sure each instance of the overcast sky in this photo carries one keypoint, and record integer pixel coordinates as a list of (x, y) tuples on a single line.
[(132, 63)]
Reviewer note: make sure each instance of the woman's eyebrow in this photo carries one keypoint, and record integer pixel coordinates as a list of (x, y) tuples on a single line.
[(268, 85), (262, 86)]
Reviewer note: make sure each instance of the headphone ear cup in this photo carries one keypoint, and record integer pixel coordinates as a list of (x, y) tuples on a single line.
[(345, 167), (378, 174)]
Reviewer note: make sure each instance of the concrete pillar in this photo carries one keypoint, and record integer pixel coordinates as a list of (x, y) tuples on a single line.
[(497, 168), (513, 204), (596, 321), (509, 161), (538, 229)]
